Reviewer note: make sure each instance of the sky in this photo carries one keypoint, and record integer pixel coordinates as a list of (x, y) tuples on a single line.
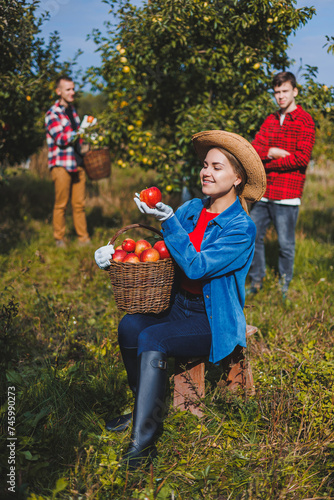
[(75, 19)]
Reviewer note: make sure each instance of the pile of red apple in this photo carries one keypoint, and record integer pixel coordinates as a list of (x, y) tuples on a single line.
[(140, 251)]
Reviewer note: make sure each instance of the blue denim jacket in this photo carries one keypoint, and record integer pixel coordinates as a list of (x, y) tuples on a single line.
[(222, 264)]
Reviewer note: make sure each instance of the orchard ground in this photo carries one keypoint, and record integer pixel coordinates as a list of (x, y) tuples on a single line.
[(58, 348)]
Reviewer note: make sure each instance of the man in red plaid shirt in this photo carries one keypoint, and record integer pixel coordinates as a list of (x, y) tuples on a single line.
[(65, 161), (284, 144)]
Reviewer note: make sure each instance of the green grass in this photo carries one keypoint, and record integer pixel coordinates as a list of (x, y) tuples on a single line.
[(58, 348)]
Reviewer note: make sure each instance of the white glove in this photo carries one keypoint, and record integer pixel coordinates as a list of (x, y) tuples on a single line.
[(85, 124), (161, 211), (103, 256)]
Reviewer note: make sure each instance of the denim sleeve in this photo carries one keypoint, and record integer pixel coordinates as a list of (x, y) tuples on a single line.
[(224, 250)]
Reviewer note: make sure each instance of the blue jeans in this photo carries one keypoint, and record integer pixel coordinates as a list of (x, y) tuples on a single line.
[(284, 218), (181, 331)]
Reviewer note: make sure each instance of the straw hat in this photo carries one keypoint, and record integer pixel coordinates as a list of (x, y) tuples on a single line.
[(233, 143)]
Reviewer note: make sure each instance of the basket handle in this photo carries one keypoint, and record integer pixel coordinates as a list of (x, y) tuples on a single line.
[(132, 226)]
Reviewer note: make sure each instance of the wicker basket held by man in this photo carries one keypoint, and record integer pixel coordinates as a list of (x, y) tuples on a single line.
[(212, 241)]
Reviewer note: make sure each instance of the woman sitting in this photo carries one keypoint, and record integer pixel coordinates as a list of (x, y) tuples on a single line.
[(212, 241)]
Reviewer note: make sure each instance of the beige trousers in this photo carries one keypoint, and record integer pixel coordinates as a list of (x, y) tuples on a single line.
[(69, 185)]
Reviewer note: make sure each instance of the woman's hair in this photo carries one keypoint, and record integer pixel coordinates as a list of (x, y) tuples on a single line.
[(237, 168)]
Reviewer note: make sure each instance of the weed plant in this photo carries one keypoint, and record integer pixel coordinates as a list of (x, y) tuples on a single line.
[(58, 348)]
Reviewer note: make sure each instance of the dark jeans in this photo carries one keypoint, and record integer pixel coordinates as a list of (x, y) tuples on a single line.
[(284, 218), (183, 330)]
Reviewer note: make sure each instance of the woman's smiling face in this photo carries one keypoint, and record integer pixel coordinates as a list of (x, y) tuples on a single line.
[(217, 176)]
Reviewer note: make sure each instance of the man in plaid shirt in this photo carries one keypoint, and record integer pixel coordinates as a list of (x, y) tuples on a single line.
[(284, 144), (66, 163)]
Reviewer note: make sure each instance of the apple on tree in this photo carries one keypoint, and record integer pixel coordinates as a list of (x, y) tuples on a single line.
[(151, 196)]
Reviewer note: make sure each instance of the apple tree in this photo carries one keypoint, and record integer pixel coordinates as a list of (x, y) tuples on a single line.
[(173, 68), (28, 70)]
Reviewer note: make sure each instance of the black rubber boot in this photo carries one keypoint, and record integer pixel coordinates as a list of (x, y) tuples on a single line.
[(149, 408), (122, 422)]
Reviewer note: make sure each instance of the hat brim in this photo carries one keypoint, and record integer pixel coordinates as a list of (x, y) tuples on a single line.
[(233, 143)]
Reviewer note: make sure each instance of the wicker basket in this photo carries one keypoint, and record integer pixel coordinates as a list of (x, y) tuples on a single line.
[(97, 163), (143, 287)]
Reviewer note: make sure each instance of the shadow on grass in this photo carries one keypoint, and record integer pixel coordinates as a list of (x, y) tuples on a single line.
[(60, 416), (95, 218), (25, 198), (26, 195), (318, 224)]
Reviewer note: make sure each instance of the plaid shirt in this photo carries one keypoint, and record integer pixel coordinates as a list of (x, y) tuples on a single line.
[(59, 138), (286, 176)]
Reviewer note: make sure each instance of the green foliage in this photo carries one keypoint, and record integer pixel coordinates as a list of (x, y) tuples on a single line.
[(28, 71), (9, 340), (316, 98), (330, 44), (90, 104), (171, 69), (61, 323), (324, 144)]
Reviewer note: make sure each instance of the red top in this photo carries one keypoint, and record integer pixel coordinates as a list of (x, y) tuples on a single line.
[(286, 176), (196, 238)]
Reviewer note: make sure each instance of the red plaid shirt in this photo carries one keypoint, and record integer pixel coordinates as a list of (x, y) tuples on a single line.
[(286, 176), (59, 138)]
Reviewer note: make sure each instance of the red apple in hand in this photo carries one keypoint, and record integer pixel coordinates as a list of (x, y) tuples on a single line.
[(131, 257), (141, 245), (162, 249), (151, 196), (129, 245), (149, 255), (119, 255)]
